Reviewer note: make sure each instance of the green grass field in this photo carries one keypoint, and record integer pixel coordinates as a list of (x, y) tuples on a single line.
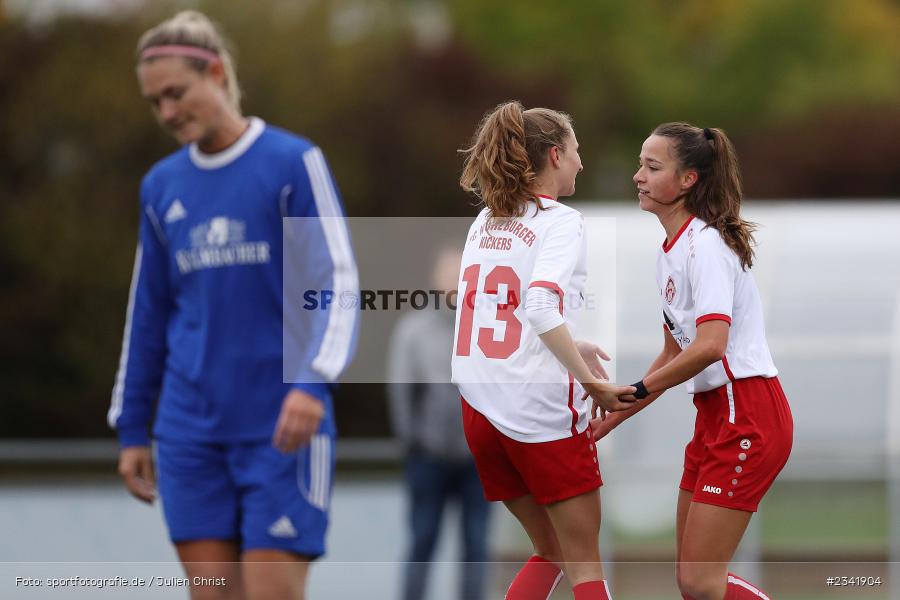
[(808, 531), (799, 522)]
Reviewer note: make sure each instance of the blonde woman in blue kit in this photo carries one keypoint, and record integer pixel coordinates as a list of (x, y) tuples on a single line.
[(203, 346)]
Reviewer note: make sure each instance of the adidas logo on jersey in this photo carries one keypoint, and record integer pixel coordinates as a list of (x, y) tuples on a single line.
[(176, 212), (282, 528), (712, 490)]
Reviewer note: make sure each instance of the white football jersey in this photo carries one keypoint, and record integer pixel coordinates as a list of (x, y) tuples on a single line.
[(502, 368), (700, 279)]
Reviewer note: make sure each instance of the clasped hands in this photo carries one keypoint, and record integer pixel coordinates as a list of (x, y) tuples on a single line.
[(607, 397)]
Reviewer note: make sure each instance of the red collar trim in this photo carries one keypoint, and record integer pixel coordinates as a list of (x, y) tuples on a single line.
[(546, 197), (667, 245)]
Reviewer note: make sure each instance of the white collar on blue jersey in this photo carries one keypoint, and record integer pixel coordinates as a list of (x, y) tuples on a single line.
[(230, 154)]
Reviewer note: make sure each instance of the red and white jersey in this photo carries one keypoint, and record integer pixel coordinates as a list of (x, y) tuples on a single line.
[(502, 368), (700, 279)]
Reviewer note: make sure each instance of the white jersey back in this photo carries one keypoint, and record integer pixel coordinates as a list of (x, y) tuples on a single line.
[(701, 279), (502, 368)]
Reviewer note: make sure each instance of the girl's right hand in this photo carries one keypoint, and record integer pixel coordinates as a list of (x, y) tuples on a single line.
[(601, 426), (606, 396), (136, 468)]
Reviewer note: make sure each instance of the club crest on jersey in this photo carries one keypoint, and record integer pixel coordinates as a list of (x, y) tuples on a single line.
[(220, 242), (670, 291), (218, 231)]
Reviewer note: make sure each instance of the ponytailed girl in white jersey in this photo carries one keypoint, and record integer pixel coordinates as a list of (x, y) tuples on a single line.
[(714, 338), (514, 358)]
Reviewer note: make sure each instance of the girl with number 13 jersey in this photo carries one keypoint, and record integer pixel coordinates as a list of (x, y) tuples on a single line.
[(514, 360), (498, 355)]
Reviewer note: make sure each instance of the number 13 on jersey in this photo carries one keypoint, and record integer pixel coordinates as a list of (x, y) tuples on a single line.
[(505, 312)]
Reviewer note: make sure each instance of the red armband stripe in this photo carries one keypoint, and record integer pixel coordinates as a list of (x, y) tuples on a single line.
[(714, 317)]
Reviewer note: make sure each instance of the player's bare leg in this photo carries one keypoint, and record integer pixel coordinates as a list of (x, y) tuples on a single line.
[(708, 541), (213, 561), (537, 579), (274, 575), (538, 526), (577, 525), (684, 504)]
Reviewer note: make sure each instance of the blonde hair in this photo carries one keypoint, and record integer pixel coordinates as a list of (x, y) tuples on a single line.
[(508, 151), (193, 28)]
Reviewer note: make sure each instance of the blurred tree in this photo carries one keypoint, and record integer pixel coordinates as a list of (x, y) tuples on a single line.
[(737, 65), (68, 164)]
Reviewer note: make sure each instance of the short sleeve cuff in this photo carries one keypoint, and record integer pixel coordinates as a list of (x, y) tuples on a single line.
[(714, 317)]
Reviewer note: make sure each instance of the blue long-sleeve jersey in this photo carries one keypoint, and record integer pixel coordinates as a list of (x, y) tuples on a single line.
[(204, 331)]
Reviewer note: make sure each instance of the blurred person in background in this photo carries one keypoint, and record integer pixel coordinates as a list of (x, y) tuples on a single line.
[(245, 460), (714, 338), (524, 270), (425, 416)]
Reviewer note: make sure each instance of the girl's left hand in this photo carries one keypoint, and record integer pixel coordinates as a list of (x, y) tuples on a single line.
[(592, 353), (299, 420)]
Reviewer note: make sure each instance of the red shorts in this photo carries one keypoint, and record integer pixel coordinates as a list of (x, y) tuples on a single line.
[(549, 471), (742, 440)]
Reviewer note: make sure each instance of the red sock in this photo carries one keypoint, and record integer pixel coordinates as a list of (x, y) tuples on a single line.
[(536, 581), (738, 589), (592, 590)]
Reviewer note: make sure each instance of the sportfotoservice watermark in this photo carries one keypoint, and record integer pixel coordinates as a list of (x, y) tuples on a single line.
[(406, 285), (420, 299)]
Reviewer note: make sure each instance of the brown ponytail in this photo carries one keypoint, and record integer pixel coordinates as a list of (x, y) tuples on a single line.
[(716, 197), (508, 151)]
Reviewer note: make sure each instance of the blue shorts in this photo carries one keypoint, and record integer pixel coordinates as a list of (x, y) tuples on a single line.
[(248, 492)]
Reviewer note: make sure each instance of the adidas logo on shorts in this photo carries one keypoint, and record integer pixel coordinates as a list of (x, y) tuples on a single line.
[(282, 528)]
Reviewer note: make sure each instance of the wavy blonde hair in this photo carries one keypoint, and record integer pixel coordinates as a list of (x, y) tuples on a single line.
[(507, 152)]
